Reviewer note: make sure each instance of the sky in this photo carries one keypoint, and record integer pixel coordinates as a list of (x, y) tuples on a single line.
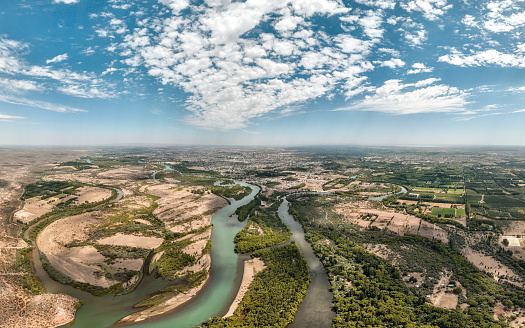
[(262, 72)]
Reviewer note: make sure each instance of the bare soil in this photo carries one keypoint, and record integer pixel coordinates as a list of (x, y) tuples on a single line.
[(366, 214), (79, 263), (121, 239)]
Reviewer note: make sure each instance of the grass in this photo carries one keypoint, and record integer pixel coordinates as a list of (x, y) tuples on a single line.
[(444, 212), (299, 186)]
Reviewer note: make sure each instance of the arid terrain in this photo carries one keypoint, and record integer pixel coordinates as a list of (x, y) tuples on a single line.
[(127, 217), (20, 308)]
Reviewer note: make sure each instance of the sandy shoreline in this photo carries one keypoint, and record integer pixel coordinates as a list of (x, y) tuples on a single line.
[(163, 308), (251, 268)]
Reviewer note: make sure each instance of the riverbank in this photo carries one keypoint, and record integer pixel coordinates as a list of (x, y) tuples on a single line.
[(251, 268)]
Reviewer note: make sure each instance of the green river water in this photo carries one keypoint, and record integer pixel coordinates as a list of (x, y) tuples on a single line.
[(213, 299)]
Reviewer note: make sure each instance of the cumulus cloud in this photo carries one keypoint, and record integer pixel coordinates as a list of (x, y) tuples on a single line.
[(393, 63), (419, 68), (431, 9), (234, 73), (395, 97), (57, 59), (483, 58)]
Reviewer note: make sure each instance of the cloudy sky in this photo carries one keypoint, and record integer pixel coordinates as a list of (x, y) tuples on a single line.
[(267, 72)]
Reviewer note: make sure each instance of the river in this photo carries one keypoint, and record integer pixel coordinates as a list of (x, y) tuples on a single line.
[(316, 309), (214, 299), (380, 198)]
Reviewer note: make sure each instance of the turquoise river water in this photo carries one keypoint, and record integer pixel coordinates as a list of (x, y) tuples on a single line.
[(214, 299)]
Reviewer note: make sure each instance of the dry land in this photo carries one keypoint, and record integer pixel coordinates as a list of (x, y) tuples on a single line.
[(367, 214)]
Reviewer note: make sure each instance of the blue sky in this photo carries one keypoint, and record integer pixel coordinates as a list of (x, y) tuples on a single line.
[(262, 72)]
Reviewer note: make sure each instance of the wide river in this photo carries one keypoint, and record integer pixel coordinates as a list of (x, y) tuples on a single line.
[(214, 299)]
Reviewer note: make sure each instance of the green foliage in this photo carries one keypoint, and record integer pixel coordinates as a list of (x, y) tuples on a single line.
[(59, 213), (249, 240), (444, 212), (274, 231), (299, 186), (172, 261), (123, 252), (368, 291), (186, 179), (113, 162), (79, 165), (181, 285), (391, 201), (249, 209), (207, 248), (48, 189), (236, 192), (331, 184), (275, 293), (27, 280)]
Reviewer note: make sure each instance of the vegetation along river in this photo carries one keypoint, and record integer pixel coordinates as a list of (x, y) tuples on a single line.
[(214, 299)]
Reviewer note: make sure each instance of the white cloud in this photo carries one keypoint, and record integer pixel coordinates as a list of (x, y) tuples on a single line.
[(371, 24), (67, 2), (234, 73), (417, 38), (57, 59), (10, 118), (89, 51), (383, 4), (484, 58), (38, 104), (469, 20), (19, 85), (393, 63), (394, 97), (468, 118), (419, 68), (29, 78), (517, 90), (431, 9), (176, 5), (9, 52), (85, 92)]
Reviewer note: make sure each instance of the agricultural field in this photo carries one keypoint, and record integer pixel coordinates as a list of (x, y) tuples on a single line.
[(448, 212)]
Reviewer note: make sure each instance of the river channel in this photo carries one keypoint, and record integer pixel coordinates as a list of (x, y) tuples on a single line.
[(316, 309), (214, 299)]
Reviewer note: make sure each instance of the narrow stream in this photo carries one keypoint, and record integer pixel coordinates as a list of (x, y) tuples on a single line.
[(316, 309)]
